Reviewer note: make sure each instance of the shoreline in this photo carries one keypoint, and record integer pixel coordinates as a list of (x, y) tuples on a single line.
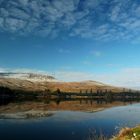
[(128, 134)]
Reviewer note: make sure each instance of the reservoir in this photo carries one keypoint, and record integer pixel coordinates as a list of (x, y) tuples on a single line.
[(67, 121)]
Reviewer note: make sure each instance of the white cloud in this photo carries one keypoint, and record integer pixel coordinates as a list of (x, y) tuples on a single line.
[(63, 50), (3, 70), (23, 2), (115, 13), (3, 12), (96, 19), (127, 77), (73, 76), (18, 13), (137, 10), (64, 6), (92, 3), (14, 24), (88, 63), (69, 20), (96, 53), (1, 22)]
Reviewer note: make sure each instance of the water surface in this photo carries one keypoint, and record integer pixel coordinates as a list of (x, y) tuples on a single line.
[(71, 120)]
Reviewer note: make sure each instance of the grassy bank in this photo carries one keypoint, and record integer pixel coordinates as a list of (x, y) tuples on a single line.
[(128, 134), (124, 134)]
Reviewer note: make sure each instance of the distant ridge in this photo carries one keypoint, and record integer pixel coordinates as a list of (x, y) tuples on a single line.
[(41, 82), (28, 76)]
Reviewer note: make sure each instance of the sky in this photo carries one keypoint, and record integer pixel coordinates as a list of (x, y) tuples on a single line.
[(73, 40)]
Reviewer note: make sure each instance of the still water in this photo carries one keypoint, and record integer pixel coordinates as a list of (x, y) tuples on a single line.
[(67, 124)]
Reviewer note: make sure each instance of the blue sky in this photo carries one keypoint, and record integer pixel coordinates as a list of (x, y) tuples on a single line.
[(73, 39)]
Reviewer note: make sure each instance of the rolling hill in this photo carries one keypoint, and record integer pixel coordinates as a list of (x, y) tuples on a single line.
[(39, 82)]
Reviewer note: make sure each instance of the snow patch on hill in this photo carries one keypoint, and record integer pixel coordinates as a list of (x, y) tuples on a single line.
[(29, 76)]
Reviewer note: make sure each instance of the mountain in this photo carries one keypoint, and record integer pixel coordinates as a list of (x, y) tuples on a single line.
[(40, 82), (29, 76)]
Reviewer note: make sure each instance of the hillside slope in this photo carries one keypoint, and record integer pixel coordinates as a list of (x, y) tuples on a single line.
[(35, 82)]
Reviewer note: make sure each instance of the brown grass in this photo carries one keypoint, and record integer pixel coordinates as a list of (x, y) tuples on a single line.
[(128, 134), (53, 86)]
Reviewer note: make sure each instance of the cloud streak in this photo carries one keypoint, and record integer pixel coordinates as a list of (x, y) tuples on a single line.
[(96, 53), (96, 19)]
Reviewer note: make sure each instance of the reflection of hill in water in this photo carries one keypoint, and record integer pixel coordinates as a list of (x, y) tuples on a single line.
[(87, 105)]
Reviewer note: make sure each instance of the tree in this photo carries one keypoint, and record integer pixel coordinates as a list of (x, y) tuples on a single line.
[(91, 90), (58, 91)]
